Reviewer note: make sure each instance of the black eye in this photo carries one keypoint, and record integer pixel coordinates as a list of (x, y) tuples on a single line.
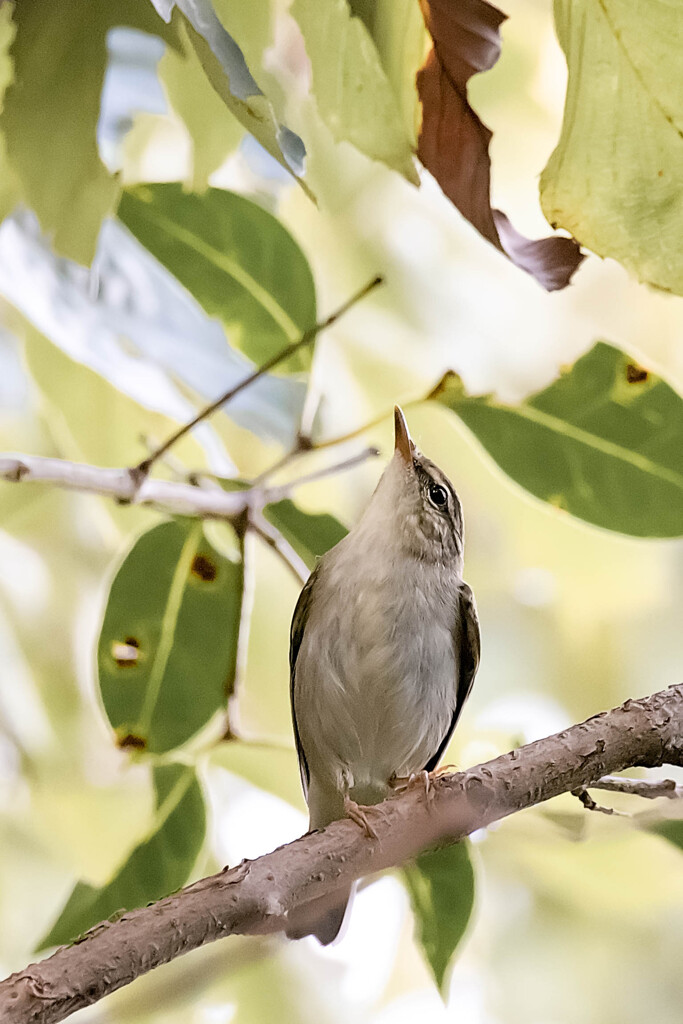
[(437, 495)]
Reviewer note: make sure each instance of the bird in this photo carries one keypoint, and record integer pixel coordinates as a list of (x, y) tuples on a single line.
[(384, 648)]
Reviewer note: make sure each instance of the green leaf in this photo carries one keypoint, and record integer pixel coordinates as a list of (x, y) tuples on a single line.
[(353, 94), (238, 261), (225, 67), (168, 647), (604, 442), (51, 112), (614, 179), (155, 868), (441, 888), (671, 830), (310, 534), (214, 130)]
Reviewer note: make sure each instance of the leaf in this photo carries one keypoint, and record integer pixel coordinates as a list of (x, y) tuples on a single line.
[(168, 647), (604, 442), (136, 331), (51, 112), (671, 830), (227, 71), (310, 534), (353, 94), (398, 30), (441, 888), (215, 132), (238, 261), (454, 143), (614, 180), (156, 867)]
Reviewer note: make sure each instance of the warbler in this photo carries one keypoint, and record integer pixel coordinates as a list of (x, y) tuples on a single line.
[(384, 648)]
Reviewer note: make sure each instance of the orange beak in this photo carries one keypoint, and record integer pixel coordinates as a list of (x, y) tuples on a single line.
[(402, 442)]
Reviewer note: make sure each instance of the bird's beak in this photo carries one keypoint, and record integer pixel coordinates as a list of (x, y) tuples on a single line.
[(402, 443)]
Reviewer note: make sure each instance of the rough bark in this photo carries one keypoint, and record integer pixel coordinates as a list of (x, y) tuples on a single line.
[(275, 892)]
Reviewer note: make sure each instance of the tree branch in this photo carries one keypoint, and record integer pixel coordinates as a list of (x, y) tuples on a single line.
[(140, 471), (279, 890), (209, 500)]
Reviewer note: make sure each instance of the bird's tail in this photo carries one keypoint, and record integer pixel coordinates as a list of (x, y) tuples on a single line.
[(320, 918), (325, 924)]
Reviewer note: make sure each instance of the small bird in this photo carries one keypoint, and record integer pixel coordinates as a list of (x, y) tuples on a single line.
[(384, 648)]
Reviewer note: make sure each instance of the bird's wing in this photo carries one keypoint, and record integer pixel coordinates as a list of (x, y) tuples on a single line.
[(296, 635), (466, 643)]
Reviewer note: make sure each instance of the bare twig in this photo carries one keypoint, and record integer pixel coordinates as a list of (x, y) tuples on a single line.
[(140, 471), (650, 789), (589, 803), (272, 536), (282, 889), (206, 499)]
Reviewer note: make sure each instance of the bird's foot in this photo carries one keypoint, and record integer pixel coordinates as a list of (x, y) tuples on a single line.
[(358, 814), (402, 782)]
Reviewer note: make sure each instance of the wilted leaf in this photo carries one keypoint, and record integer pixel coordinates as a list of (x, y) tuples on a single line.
[(604, 442), (454, 143), (156, 867), (614, 180), (168, 646), (353, 94), (310, 534), (441, 887), (51, 112), (237, 259)]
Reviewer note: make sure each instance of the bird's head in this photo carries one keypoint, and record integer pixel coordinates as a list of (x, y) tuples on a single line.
[(419, 503)]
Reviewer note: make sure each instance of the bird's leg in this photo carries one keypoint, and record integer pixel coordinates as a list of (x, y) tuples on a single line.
[(358, 814)]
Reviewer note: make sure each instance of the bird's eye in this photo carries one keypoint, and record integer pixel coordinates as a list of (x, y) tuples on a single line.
[(437, 495)]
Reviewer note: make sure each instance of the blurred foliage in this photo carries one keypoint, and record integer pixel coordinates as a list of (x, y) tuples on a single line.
[(614, 179), (155, 868), (604, 442), (235, 258), (441, 887), (183, 759)]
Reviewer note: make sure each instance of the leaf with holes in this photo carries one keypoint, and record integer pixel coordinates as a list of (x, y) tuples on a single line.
[(310, 534), (441, 888), (604, 442), (168, 646), (238, 261), (157, 866)]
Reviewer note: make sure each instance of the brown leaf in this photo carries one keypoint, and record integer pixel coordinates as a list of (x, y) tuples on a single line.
[(454, 143)]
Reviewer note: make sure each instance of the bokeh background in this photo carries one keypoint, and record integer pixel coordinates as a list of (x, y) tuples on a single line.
[(577, 917)]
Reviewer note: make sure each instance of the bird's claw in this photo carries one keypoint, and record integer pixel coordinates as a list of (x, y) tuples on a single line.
[(423, 778), (358, 814)]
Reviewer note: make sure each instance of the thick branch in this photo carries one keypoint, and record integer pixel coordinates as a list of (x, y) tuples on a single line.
[(275, 891)]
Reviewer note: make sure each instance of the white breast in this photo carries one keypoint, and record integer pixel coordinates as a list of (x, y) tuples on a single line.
[(376, 671)]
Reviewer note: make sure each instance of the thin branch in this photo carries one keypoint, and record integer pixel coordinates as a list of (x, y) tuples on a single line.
[(285, 889), (650, 789), (140, 471), (206, 498), (589, 803), (274, 539), (179, 498)]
